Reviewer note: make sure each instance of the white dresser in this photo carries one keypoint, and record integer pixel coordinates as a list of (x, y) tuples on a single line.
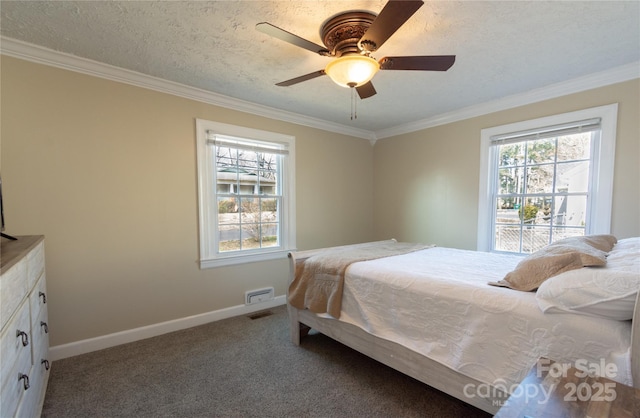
[(24, 339)]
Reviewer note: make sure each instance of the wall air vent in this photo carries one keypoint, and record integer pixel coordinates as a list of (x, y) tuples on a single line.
[(260, 295)]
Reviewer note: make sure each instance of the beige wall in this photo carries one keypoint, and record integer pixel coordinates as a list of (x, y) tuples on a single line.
[(426, 182), (107, 172)]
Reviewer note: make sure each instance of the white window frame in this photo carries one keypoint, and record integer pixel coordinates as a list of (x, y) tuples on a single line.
[(602, 169), (207, 197)]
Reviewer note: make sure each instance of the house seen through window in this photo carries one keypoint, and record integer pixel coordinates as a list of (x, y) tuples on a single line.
[(548, 181), (246, 194)]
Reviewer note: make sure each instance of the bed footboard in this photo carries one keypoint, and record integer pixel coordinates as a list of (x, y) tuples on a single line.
[(297, 328), (294, 325), (401, 359)]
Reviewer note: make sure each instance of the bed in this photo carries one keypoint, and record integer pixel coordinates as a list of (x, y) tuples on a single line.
[(430, 312)]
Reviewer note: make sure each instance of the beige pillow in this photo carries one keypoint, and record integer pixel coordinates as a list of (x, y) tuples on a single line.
[(601, 242), (556, 258)]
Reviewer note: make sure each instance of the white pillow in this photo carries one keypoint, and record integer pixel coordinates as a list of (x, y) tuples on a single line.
[(627, 244), (609, 291)]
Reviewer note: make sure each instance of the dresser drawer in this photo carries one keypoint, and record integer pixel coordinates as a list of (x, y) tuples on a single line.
[(29, 403), (40, 335), (38, 297), (35, 264), (11, 342), (13, 389), (13, 288), (41, 361), (33, 398)]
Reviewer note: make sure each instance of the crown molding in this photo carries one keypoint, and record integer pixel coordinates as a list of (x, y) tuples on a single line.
[(40, 55), (604, 78), (34, 53)]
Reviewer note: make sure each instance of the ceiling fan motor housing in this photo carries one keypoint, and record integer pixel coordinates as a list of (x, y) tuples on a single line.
[(341, 33)]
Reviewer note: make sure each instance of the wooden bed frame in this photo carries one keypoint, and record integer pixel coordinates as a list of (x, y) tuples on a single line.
[(412, 363)]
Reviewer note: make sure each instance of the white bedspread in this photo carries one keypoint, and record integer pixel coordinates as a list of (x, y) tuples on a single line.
[(437, 302)]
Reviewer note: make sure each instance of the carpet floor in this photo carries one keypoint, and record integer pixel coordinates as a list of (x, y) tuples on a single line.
[(239, 367)]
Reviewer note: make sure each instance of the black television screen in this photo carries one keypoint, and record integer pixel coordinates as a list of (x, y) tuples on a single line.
[(1, 208), (2, 216)]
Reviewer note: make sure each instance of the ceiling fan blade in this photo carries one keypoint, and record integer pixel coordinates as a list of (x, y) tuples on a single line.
[(366, 90), (420, 63), (283, 35), (391, 17), (301, 79)]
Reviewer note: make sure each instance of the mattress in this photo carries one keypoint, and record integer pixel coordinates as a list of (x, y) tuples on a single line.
[(437, 302)]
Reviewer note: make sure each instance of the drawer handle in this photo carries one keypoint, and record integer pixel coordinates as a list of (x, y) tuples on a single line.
[(46, 363), (25, 380), (45, 326), (25, 337), (43, 296)]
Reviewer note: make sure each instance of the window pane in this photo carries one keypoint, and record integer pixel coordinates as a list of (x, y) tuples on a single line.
[(541, 151), (574, 147), (511, 180), (228, 245), (250, 210), (269, 205), (571, 210), (228, 237), (540, 178), (250, 219), (573, 177), (511, 154), (246, 188), (226, 157), (507, 238), (246, 160), (228, 224), (534, 238), (507, 210), (269, 235), (529, 211), (269, 219), (267, 181), (227, 172), (227, 211), (537, 211), (250, 236)]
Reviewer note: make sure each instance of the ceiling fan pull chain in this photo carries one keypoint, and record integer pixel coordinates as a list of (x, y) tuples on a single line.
[(354, 104)]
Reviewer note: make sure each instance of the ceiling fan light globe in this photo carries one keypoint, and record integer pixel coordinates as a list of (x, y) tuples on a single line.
[(352, 70)]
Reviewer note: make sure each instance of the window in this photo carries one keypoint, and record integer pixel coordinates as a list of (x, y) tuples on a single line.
[(546, 179), (246, 194)]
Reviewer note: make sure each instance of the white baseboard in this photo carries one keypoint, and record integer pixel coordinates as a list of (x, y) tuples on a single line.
[(105, 341)]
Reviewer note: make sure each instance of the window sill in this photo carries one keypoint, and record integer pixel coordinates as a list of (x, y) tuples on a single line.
[(243, 259)]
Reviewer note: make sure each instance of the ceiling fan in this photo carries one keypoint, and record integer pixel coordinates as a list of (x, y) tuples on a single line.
[(351, 37)]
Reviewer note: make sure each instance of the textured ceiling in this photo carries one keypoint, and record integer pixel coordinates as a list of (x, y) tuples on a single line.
[(502, 48)]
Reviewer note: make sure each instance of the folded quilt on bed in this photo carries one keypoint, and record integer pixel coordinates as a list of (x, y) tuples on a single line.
[(319, 279)]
